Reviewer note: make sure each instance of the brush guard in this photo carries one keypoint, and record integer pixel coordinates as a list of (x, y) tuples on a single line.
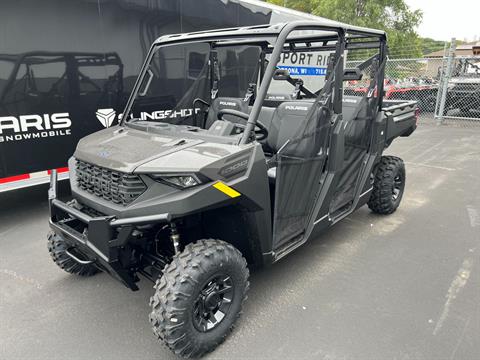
[(97, 238)]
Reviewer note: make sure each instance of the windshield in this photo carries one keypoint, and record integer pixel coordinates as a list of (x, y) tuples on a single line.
[(181, 81)]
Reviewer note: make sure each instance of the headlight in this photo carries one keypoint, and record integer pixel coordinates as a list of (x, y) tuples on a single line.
[(180, 181)]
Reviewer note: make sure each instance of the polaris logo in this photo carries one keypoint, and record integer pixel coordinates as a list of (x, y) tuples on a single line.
[(296, 108), (104, 154), (106, 116), (227, 103), (25, 127)]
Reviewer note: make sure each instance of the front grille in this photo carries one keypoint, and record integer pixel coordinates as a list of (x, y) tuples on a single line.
[(117, 187)]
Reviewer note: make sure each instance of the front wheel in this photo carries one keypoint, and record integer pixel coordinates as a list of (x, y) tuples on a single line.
[(199, 297), (58, 249), (388, 185)]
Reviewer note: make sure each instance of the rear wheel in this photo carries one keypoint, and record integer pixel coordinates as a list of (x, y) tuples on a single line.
[(199, 297), (58, 251), (388, 185)]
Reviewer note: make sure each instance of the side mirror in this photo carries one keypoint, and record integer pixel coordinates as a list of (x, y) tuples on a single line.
[(281, 74), (352, 74)]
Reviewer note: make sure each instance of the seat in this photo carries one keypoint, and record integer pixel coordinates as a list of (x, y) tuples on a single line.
[(265, 117), (349, 107), (289, 119), (279, 97), (226, 103), (356, 119), (275, 99)]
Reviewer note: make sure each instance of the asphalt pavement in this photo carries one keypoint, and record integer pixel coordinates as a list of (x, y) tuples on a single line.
[(404, 286)]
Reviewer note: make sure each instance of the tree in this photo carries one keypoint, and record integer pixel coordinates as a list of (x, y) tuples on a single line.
[(393, 16), (431, 45)]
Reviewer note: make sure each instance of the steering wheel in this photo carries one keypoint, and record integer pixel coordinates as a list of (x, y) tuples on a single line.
[(261, 131)]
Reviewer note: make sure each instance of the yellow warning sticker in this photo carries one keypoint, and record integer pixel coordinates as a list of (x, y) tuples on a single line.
[(226, 189)]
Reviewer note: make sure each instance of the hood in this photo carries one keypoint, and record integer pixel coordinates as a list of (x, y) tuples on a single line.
[(205, 158), (124, 149)]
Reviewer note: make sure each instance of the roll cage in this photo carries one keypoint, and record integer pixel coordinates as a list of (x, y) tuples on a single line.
[(74, 62), (275, 40)]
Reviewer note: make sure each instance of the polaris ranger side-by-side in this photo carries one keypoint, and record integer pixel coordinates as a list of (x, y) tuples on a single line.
[(192, 186)]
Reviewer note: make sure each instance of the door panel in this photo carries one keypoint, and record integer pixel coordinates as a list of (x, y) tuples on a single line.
[(359, 112), (299, 167)]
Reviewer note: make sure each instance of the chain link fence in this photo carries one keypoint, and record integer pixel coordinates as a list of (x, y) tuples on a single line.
[(459, 93), (447, 89)]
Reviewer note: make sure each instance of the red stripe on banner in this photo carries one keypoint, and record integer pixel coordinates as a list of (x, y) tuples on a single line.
[(59, 170), (14, 178)]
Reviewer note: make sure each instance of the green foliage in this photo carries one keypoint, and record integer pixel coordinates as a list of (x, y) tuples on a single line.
[(431, 45), (393, 16)]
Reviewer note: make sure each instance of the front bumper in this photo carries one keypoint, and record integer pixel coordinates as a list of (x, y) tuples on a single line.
[(97, 238)]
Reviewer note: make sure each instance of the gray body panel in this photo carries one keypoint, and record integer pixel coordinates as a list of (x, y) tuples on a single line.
[(143, 153)]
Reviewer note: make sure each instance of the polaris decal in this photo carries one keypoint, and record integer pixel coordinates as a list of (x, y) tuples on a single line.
[(296, 108), (26, 127), (227, 103)]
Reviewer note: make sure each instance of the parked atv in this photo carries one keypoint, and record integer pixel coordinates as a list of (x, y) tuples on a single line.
[(194, 185), (464, 88)]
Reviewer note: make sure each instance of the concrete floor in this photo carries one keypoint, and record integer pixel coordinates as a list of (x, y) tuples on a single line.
[(405, 286)]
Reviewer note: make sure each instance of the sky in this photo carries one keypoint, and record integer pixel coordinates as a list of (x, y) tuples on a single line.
[(444, 19)]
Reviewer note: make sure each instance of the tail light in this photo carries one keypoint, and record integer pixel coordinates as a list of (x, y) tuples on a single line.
[(417, 115)]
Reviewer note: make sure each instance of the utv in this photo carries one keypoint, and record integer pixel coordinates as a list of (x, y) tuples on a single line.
[(210, 170), (464, 89)]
